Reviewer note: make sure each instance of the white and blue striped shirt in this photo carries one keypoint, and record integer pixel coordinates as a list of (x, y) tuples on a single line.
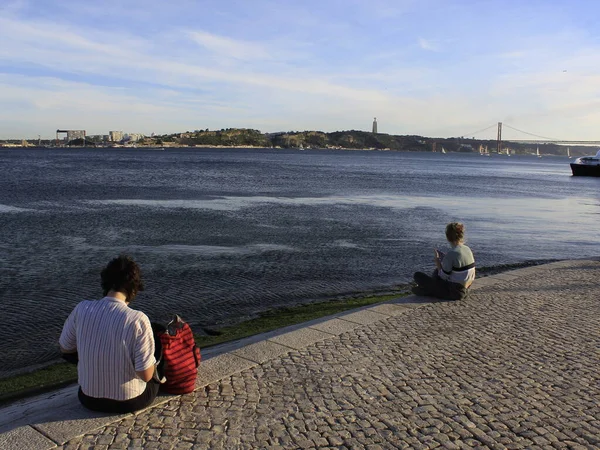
[(113, 341)]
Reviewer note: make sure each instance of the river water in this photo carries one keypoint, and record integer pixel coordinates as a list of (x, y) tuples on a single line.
[(222, 235)]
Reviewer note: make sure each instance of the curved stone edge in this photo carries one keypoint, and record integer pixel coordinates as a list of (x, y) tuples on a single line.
[(49, 435)]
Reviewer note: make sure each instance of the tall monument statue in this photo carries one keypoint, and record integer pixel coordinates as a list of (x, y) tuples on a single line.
[(374, 125)]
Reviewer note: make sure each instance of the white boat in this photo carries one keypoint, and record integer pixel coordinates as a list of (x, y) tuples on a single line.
[(587, 166), (569, 153), (537, 152), (443, 150)]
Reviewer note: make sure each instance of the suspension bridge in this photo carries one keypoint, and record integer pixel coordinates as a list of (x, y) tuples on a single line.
[(538, 139)]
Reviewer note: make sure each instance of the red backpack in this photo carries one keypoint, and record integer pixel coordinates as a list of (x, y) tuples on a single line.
[(181, 357)]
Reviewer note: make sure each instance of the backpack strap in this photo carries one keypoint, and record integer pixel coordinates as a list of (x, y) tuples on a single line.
[(196, 351)]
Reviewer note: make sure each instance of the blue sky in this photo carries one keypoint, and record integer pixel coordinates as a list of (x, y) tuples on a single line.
[(429, 67)]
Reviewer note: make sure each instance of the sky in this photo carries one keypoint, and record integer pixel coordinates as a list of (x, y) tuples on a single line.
[(437, 68)]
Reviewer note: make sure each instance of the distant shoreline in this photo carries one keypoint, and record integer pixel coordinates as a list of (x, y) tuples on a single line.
[(250, 147), (239, 138)]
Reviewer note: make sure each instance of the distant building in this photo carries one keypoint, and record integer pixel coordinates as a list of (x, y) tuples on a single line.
[(98, 138), (115, 136), (133, 137), (375, 125), (71, 135), (75, 134)]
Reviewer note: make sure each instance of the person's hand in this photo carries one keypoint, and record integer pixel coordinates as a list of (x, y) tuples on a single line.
[(437, 260)]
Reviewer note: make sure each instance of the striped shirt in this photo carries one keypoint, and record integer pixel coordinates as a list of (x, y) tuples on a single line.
[(113, 341)]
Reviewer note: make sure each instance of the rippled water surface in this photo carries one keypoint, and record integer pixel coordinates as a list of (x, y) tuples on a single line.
[(224, 234)]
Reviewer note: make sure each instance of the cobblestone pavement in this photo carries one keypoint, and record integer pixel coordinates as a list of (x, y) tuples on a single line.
[(513, 366)]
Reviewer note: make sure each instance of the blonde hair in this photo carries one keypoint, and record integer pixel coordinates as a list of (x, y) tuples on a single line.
[(455, 232)]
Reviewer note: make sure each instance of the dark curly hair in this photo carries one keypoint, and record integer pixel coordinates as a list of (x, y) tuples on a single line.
[(122, 274)]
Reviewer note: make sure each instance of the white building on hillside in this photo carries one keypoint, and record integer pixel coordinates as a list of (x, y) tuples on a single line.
[(115, 136)]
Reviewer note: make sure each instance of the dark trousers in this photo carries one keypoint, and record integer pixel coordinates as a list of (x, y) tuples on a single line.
[(434, 286), (109, 405)]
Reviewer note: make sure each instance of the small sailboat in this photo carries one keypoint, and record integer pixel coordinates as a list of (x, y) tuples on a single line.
[(443, 150), (569, 153), (537, 152)]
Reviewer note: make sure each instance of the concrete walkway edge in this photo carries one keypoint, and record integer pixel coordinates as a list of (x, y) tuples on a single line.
[(52, 419)]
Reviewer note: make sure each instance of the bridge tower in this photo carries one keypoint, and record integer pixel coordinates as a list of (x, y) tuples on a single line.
[(499, 137)]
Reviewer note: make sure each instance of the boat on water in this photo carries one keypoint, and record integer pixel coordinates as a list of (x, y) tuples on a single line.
[(586, 166), (483, 151), (537, 152), (569, 153), (443, 150)]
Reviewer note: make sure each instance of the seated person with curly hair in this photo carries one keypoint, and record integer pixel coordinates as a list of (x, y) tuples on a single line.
[(114, 344), (455, 271)]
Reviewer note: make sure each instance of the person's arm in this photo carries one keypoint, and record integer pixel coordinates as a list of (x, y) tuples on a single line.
[(144, 361), (67, 352), (146, 375), (447, 264), (68, 337), (439, 256), (444, 267)]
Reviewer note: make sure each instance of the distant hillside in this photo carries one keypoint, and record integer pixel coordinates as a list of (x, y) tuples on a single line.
[(351, 139), (230, 137), (238, 137)]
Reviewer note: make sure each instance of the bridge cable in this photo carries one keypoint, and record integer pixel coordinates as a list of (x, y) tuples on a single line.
[(530, 134), (480, 131)]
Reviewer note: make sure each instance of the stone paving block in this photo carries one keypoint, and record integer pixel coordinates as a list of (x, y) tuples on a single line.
[(37, 409), (161, 399), (484, 282), (262, 351), (300, 338), (335, 326), (219, 367), (412, 301), (25, 438), (364, 317), (505, 277), (562, 264), (74, 421), (389, 309), (525, 271)]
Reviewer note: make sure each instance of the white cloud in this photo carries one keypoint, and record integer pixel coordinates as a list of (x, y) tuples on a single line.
[(229, 47), (131, 59), (311, 72), (429, 45)]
